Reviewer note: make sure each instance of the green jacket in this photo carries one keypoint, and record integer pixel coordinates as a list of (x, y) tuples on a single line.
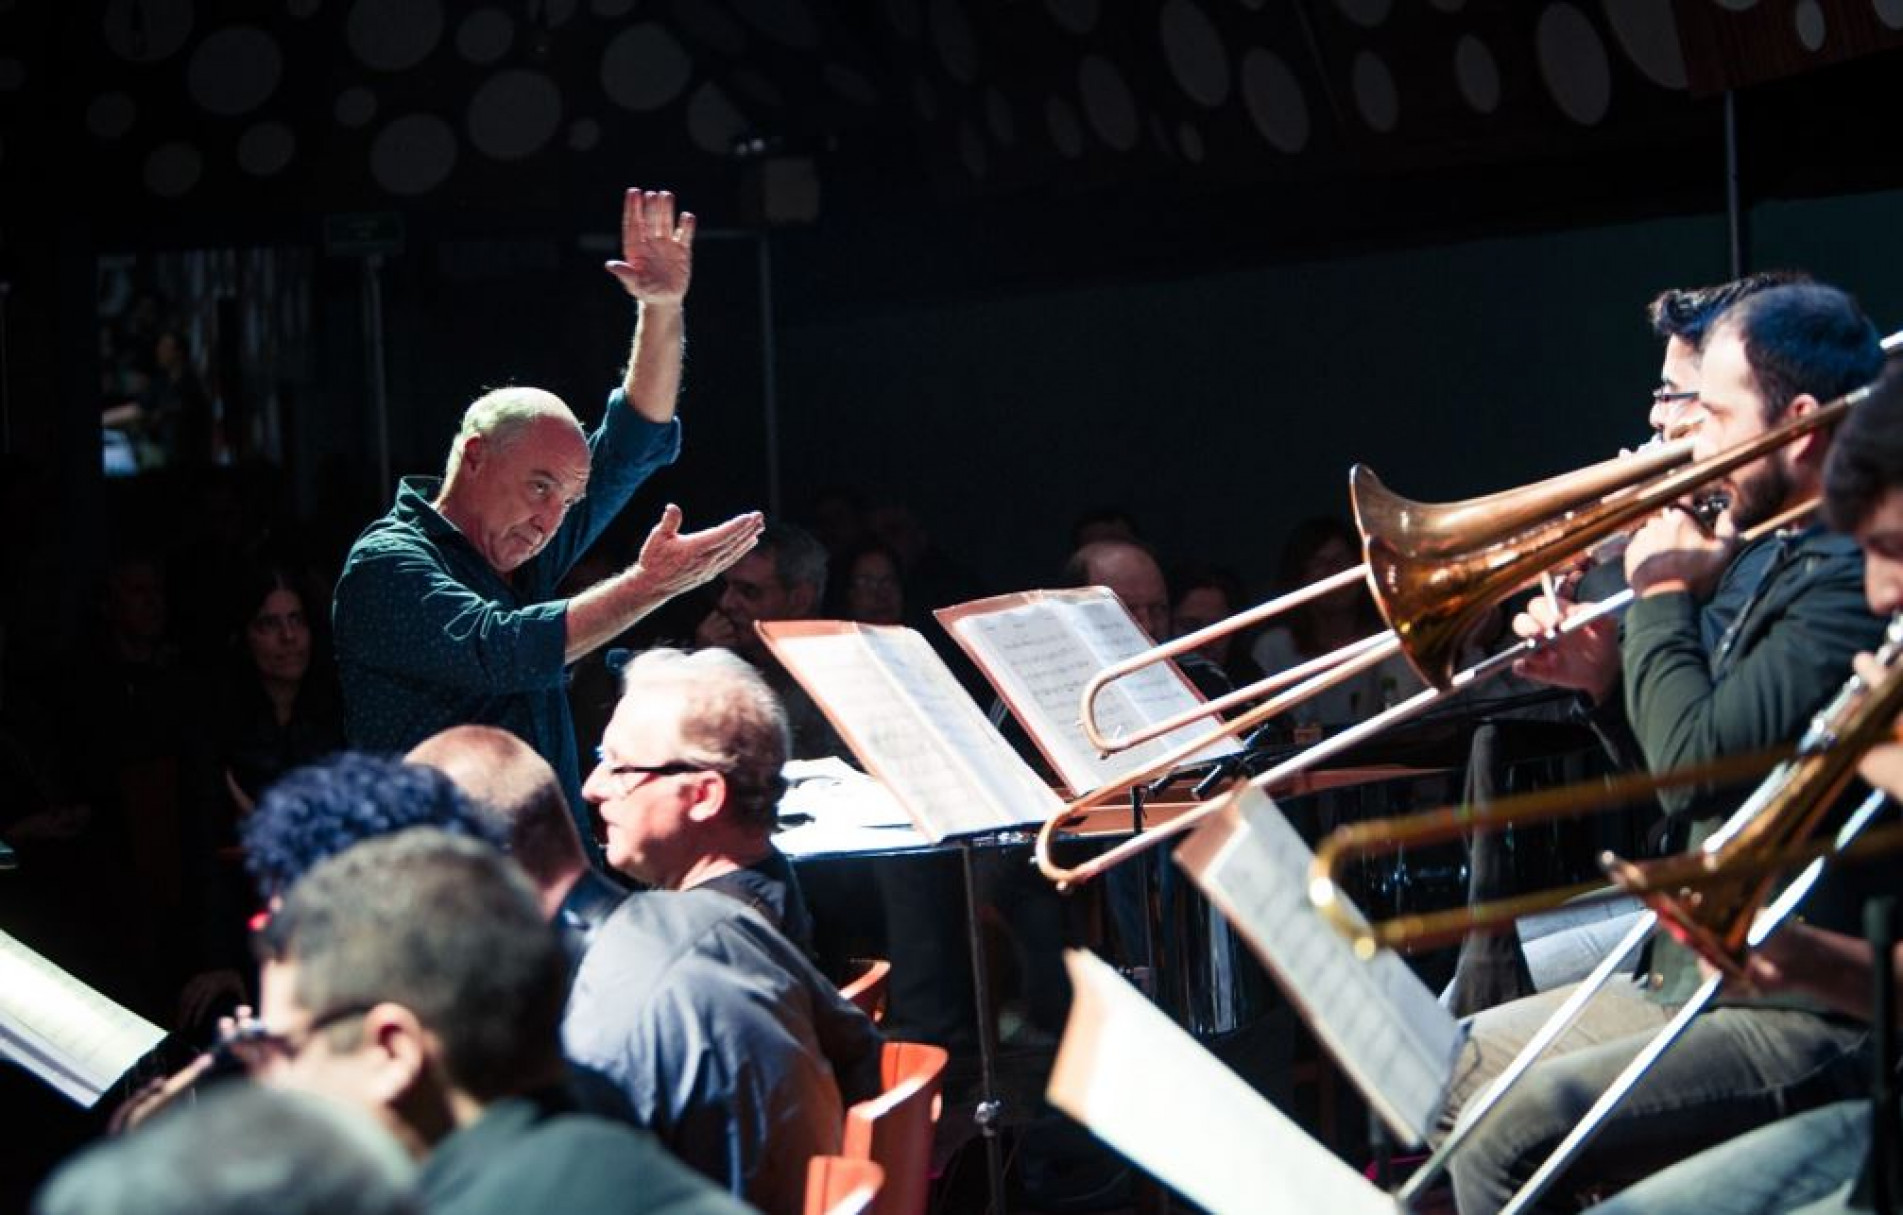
[(1784, 652)]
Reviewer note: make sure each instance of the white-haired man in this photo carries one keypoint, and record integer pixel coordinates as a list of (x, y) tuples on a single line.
[(729, 1044), (447, 609)]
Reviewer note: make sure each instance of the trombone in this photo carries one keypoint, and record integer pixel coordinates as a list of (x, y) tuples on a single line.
[(1714, 898), (1428, 530), (1433, 586)]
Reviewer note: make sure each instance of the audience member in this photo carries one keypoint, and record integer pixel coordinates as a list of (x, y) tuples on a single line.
[(783, 578), (275, 706), (1130, 569), (414, 976), (500, 771), (1319, 548), (1203, 597), (871, 587), (837, 518), (731, 1046), (238, 1150)]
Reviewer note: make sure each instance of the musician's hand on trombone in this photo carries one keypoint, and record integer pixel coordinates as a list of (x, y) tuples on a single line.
[(1675, 551), (1831, 968), (1882, 765), (1586, 660)]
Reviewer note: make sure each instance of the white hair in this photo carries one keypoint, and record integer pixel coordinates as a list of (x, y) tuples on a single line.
[(731, 719), (500, 416)]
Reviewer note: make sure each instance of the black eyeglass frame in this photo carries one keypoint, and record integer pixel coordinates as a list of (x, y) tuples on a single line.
[(249, 1043)]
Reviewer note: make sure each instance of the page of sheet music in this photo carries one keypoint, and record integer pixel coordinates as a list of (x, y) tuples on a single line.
[(910, 659), (1042, 668), (1152, 694), (1383, 1025), (63, 1031), (1155, 1094), (918, 731), (1043, 652)]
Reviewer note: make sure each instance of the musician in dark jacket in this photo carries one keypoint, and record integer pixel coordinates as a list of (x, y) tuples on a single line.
[(1813, 1161), (1691, 697)]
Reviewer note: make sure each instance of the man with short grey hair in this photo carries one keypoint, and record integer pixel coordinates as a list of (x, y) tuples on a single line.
[(447, 610), (708, 737), (727, 1041)]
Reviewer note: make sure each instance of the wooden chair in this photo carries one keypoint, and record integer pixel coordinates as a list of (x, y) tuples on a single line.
[(894, 1129), (838, 1186), (867, 990)]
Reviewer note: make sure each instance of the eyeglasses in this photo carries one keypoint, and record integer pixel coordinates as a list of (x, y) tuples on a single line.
[(248, 1041), (1673, 396), (673, 767)]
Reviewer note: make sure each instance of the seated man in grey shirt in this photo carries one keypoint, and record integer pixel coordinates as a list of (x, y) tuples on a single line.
[(733, 1049)]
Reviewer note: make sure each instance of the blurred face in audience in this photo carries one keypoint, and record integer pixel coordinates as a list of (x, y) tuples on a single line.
[(752, 590), (135, 601), (279, 638), (1199, 608), (872, 590), (1135, 578)]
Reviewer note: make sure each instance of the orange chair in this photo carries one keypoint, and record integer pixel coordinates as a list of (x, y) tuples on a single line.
[(894, 1129), (838, 1186), (867, 989)]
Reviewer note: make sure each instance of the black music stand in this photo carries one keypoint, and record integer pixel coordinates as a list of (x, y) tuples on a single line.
[(1878, 1185), (988, 1117)]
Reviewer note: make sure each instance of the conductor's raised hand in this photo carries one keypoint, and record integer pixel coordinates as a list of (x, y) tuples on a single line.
[(673, 561), (657, 249)]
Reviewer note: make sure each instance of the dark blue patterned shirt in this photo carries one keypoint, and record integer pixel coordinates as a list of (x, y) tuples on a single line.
[(430, 636)]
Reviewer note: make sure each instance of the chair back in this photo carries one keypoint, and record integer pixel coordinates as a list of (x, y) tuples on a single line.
[(838, 1186), (894, 1129), (867, 990)]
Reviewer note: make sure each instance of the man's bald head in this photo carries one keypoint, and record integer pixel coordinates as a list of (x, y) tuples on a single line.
[(1129, 570), (504, 773)]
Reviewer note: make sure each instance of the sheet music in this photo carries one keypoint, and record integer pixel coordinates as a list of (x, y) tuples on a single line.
[(1152, 1092), (63, 1031), (907, 719), (1384, 1027), (1043, 651), (1152, 694)]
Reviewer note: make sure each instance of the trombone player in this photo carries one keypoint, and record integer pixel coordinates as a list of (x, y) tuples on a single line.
[(1698, 685), (1814, 1157)]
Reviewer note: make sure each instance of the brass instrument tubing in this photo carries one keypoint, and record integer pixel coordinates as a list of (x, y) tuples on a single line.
[(1260, 688), (1205, 635), (1254, 717), (1548, 1033)]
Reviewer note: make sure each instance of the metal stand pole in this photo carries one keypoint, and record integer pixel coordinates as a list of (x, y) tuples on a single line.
[(1880, 1181), (6, 372), (769, 377), (372, 288), (989, 1115), (1734, 203)]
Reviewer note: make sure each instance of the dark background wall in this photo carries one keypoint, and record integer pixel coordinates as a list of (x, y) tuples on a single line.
[(1001, 289)]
